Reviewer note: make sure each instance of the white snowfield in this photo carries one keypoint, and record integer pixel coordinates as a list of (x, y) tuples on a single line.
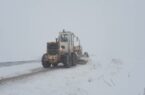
[(97, 77)]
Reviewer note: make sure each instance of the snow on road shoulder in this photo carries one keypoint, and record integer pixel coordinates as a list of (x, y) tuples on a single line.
[(103, 77)]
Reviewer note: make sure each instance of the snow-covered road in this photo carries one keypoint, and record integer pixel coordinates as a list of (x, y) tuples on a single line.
[(97, 77)]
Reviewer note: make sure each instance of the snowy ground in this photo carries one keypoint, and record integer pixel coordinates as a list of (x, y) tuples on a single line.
[(97, 77)]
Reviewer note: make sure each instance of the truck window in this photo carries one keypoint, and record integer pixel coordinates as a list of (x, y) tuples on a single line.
[(64, 37)]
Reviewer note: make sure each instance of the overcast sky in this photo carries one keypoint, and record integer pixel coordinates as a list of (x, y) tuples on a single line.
[(107, 28)]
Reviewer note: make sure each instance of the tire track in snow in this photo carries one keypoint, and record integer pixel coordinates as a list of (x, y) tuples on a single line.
[(32, 72), (21, 76), (11, 63)]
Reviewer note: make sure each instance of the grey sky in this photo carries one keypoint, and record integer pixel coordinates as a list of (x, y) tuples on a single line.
[(113, 28)]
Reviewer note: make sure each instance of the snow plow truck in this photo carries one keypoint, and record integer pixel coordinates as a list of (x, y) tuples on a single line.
[(66, 49)]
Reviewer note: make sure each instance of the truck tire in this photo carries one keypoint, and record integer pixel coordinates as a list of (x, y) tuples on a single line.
[(44, 61), (66, 61), (74, 59)]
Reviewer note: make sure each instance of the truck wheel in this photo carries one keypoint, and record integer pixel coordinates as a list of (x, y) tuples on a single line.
[(66, 61), (73, 59), (45, 63)]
